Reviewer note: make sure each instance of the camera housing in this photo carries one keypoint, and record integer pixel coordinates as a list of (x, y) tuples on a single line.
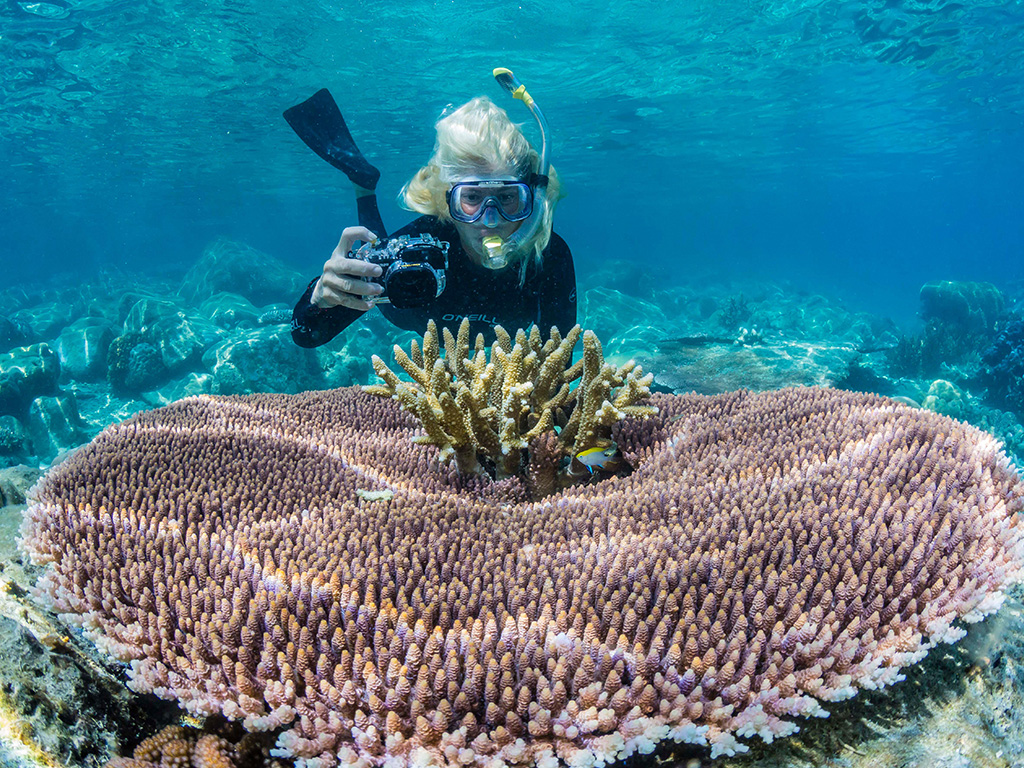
[(413, 269)]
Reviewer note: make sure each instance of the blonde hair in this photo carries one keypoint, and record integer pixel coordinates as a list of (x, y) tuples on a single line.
[(479, 139)]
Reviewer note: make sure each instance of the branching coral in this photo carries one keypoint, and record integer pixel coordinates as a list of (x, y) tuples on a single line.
[(477, 409), (180, 747)]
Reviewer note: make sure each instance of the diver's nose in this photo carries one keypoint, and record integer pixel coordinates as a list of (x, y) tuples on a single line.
[(490, 217)]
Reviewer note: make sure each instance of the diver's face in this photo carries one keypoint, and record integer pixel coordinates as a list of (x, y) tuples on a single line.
[(491, 224)]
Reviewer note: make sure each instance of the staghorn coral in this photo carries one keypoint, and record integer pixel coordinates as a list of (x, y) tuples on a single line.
[(473, 408), (769, 554)]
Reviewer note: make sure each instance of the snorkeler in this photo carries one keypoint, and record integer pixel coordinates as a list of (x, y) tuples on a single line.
[(483, 249)]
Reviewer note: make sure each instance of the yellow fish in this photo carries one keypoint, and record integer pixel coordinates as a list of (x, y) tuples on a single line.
[(606, 458)]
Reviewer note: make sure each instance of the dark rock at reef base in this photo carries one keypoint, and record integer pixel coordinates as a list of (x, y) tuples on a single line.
[(26, 373), (13, 440), (15, 482), (63, 696)]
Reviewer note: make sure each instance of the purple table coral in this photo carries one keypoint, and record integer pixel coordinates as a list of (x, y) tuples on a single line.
[(295, 562)]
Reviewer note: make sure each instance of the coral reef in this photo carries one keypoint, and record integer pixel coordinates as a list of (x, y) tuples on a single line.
[(1002, 372), (960, 320), (970, 307), (295, 563), (735, 312), (946, 398), (934, 351), (478, 410)]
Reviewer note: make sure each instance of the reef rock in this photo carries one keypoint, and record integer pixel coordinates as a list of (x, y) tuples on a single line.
[(15, 482), (82, 349), (263, 359), (44, 321), (146, 311), (230, 311), (12, 334), (13, 440), (714, 365), (54, 425), (26, 373), (968, 307), (238, 268), (604, 311), (297, 563)]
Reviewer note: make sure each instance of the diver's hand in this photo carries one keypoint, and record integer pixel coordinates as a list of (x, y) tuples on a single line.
[(341, 285)]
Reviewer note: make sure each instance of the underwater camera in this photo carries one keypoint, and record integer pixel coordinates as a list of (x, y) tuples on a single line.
[(413, 268)]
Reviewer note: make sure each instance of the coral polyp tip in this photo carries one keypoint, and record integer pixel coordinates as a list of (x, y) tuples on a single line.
[(298, 564)]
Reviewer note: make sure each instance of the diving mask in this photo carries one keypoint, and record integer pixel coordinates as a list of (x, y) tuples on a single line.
[(471, 201)]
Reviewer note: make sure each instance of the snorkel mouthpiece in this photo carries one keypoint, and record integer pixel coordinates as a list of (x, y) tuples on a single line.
[(494, 256)]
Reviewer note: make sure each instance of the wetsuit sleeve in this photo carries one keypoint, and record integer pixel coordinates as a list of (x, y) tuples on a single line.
[(557, 298), (312, 325)]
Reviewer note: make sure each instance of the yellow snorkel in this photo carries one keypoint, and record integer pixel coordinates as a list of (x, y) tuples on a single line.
[(499, 251)]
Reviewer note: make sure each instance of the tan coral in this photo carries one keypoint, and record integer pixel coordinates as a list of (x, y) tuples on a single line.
[(187, 747), (473, 408), (768, 555)]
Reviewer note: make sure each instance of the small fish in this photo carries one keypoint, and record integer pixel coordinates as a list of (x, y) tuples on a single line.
[(606, 458), (385, 495)]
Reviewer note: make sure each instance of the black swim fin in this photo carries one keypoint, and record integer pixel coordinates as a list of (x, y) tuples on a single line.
[(319, 123)]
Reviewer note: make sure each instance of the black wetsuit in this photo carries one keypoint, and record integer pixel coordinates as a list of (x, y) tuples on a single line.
[(487, 297)]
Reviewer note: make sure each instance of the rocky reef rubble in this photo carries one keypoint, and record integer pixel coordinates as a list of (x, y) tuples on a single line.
[(966, 360), (73, 360)]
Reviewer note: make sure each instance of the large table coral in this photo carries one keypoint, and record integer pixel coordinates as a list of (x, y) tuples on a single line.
[(296, 562)]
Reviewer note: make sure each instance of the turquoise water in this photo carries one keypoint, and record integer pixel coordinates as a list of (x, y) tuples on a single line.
[(859, 148)]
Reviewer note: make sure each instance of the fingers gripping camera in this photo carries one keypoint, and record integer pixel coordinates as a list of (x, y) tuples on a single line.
[(413, 268)]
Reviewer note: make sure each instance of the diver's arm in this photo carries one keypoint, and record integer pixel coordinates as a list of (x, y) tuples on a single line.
[(313, 326), (340, 295), (369, 215), (558, 287)]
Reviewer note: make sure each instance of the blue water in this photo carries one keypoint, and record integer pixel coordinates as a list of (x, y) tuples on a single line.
[(858, 148)]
